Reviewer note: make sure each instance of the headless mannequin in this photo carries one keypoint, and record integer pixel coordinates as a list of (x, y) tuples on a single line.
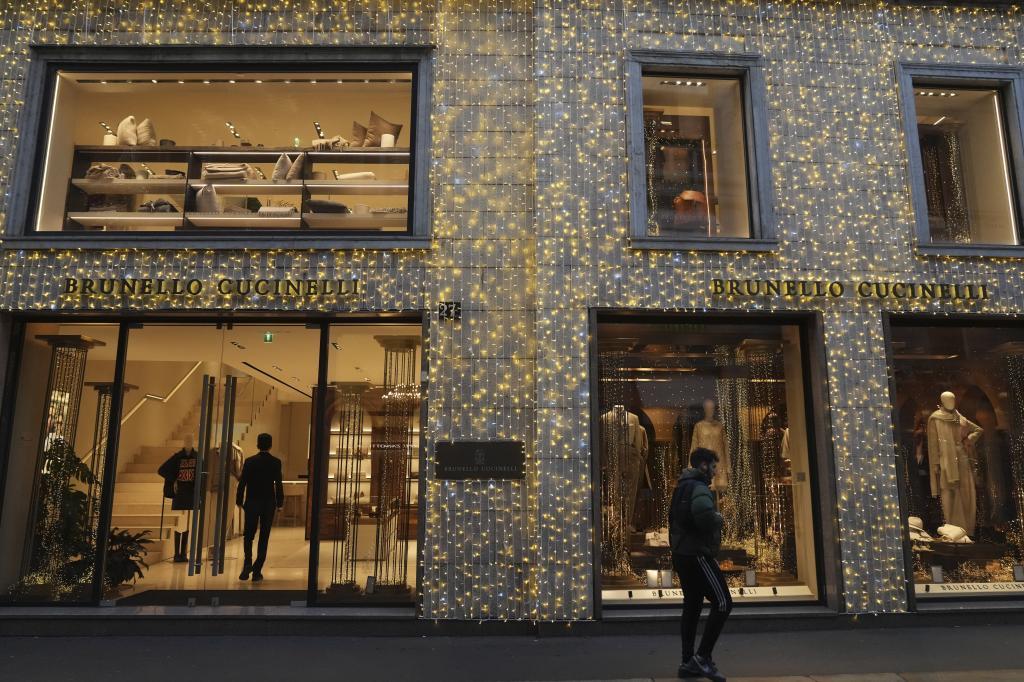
[(950, 438), (710, 433), (623, 457), (182, 468)]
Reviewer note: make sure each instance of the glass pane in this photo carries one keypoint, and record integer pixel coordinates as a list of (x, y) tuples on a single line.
[(966, 171), (695, 157), (58, 450), (369, 517), (959, 395), (221, 151), (738, 390), (177, 483)]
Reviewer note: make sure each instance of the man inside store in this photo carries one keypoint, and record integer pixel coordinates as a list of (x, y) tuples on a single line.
[(260, 494), (695, 534)]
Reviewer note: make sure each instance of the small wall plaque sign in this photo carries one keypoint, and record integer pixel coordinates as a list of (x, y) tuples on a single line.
[(480, 459)]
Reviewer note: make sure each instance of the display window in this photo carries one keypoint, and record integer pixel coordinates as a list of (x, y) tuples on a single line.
[(665, 389), (965, 161), (185, 519), (695, 157), (958, 397), (223, 151)]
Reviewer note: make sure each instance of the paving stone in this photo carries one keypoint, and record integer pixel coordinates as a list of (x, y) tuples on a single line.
[(965, 676), (859, 677)]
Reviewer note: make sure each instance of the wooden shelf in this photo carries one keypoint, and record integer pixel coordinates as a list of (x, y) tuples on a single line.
[(251, 187), (243, 220), (125, 219), (358, 187), (350, 221), (138, 186)]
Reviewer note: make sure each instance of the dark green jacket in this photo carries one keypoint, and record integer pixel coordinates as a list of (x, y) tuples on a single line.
[(695, 526)]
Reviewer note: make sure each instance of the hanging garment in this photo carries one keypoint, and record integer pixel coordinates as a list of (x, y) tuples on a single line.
[(993, 453), (710, 434), (181, 468), (950, 434), (623, 457)]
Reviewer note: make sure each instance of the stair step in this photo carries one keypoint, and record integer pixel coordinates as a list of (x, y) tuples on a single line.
[(152, 478), (122, 506)]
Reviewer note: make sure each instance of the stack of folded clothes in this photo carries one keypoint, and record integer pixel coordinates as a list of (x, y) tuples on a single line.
[(102, 171), (324, 206), (228, 171), (954, 534), (276, 211), (158, 206)]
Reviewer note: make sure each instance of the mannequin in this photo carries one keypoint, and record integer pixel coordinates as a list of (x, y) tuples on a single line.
[(710, 433), (623, 458), (180, 471), (950, 438)]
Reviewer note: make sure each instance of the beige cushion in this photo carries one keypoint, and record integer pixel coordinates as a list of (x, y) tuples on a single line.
[(207, 201), (146, 133), (378, 126), (281, 168), (298, 166), (358, 134), (128, 132)]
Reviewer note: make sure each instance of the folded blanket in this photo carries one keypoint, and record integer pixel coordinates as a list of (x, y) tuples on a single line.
[(225, 175), (276, 211), (364, 175), (324, 206)]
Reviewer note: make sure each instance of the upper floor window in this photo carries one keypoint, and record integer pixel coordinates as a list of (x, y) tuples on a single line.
[(964, 144), (217, 152), (695, 157), (696, 149)]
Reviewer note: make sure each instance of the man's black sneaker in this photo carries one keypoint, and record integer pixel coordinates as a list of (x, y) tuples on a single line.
[(244, 575), (257, 576), (706, 667), (689, 670)]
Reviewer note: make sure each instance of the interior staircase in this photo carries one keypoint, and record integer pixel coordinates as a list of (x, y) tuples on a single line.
[(138, 492)]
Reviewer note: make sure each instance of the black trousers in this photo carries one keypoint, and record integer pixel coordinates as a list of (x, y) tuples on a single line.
[(701, 578), (262, 516)]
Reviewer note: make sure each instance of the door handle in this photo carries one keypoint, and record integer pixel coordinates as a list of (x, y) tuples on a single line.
[(195, 551), (226, 434)]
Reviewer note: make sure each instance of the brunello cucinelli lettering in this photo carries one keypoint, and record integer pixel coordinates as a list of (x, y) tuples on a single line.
[(805, 288), (171, 288)]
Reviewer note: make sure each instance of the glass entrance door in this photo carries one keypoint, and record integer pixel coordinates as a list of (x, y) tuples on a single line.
[(205, 393)]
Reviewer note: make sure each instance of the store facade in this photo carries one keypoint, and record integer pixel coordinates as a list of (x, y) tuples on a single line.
[(488, 272)]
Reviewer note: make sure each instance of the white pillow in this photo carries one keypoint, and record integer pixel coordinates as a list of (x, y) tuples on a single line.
[(207, 200), (281, 168), (146, 133), (128, 132)]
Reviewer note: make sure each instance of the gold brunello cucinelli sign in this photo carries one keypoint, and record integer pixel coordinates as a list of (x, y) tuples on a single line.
[(170, 288), (813, 288)]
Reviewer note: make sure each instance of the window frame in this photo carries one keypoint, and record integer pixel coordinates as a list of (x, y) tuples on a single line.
[(919, 319), (30, 159), (818, 414), (749, 70), (1009, 82)]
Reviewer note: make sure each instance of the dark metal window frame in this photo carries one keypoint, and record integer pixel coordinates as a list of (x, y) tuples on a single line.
[(46, 60), (916, 321), (749, 70), (1010, 84), (318, 480), (821, 457)]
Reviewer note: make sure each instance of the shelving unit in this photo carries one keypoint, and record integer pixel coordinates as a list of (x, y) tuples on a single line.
[(83, 192)]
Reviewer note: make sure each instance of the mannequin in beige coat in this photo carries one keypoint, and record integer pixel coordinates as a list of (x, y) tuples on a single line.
[(631, 455), (950, 438), (710, 433)]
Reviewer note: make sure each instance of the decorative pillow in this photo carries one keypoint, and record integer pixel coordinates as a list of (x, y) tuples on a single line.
[(281, 168), (378, 126), (146, 134), (207, 200), (128, 132), (298, 166), (358, 134)]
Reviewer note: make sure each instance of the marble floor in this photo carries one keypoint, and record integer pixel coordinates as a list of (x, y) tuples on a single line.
[(286, 568)]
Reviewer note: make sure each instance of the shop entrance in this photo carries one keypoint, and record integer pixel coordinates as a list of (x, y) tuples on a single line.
[(127, 455), (197, 397)]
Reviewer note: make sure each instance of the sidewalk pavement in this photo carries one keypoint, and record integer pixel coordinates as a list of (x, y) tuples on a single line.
[(907, 654)]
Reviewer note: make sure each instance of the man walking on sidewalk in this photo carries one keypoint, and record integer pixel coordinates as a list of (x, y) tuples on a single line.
[(695, 533)]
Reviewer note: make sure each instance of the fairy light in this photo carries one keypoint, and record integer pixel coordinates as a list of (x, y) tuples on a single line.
[(530, 220)]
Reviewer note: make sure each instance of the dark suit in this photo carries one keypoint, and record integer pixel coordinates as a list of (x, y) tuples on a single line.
[(260, 492)]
